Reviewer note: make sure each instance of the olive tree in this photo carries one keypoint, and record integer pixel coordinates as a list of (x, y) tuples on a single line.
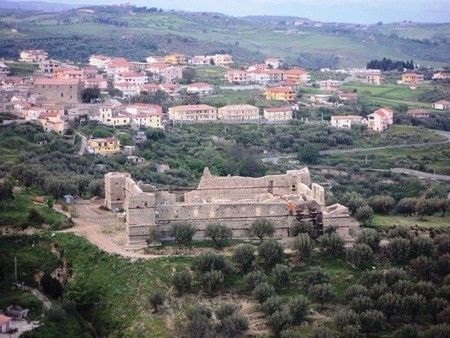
[(262, 228)]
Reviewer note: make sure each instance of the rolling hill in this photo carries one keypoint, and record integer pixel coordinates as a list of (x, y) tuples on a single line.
[(138, 32)]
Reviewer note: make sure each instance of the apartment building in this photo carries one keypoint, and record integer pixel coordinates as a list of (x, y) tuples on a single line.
[(198, 113), (238, 113)]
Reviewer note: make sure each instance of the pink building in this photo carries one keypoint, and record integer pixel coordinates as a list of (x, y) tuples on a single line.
[(5, 324), (380, 119)]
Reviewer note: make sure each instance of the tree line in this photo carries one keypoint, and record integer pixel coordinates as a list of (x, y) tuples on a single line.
[(388, 64)]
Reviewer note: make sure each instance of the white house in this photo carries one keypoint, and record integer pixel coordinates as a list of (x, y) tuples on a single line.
[(441, 105), (345, 121), (200, 88)]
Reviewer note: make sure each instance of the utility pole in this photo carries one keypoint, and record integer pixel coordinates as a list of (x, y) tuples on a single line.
[(15, 268)]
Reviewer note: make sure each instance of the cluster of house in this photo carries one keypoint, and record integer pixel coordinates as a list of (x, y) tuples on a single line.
[(378, 121), (13, 312), (241, 113)]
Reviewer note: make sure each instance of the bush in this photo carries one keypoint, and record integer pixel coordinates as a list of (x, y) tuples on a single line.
[(406, 206), (282, 275), (381, 204), (6, 189), (371, 321), (422, 246), (322, 332), (262, 228), (279, 321), (56, 314), (199, 325), (442, 243), (390, 304), (371, 237), (244, 257), (331, 245), (435, 306), (436, 331), (232, 326), (399, 250), (361, 255), (156, 300), (271, 305), (323, 293), (210, 261), (364, 215), (182, 281), (353, 201), (413, 304), (262, 292), (218, 233), (304, 246), (271, 253), (212, 282), (393, 275), (425, 207), (361, 303), (34, 217), (298, 309), (225, 310), (182, 232), (345, 317), (350, 331), (422, 267), (354, 291), (303, 227), (254, 278), (316, 275), (407, 331)]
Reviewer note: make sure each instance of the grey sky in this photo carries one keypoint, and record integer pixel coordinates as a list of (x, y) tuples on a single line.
[(361, 11)]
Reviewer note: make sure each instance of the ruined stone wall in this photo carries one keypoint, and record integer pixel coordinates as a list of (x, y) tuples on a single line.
[(114, 190)]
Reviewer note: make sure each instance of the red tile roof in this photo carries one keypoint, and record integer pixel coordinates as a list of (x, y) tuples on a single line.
[(4, 319)]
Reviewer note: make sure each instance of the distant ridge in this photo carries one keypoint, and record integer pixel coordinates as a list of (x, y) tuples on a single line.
[(41, 6)]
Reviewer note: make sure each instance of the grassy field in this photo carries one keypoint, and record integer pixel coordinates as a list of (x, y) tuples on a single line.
[(226, 97), (16, 212), (432, 159), (211, 74), (390, 95), (429, 222)]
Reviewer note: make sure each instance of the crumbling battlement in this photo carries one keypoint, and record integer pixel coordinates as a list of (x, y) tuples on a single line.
[(232, 200)]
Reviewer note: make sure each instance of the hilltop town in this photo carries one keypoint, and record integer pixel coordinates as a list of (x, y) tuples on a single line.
[(193, 191)]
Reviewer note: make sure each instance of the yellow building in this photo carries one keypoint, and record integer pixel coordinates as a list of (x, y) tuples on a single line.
[(280, 94), (104, 146), (196, 113), (175, 59), (238, 113), (412, 78)]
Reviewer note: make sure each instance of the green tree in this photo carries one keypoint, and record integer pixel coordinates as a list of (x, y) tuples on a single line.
[(262, 292), (406, 206), (413, 304), (361, 303), (331, 245), (381, 204), (355, 291), (316, 275), (271, 305), (182, 281), (361, 255), (364, 215), (345, 317), (279, 321), (371, 321), (212, 282), (309, 154), (282, 274), (270, 253), (218, 233), (254, 278), (51, 286), (90, 94), (399, 250), (390, 304), (244, 257), (262, 228), (304, 246), (298, 309), (182, 232), (371, 237), (425, 208), (323, 293), (353, 201)]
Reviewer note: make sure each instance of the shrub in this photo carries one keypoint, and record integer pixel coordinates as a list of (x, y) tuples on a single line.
[(331, 245), (364, 215), (51, 286), (35, 217), (316, 275), (225, 310), (270, 253), (218, 233), (212, 281), (413, 304), (353, 201), (443, 265), (426, 289), (389, 303), (372, 277), (350, 331), (371, 237), (443, 243), (435, 306), (345, 317), (422, 267), (244, 257), (262, 228), (355, 290), (361, 303), (425, 207), (422, 246), (406, 206), (282, 275), (271, 305), (298, 309), (303, 227), (400, 231), (381, 204), (399, 250), (407, 331), (211, 261), (361, 255), (304, 245), (393, 275), (232, 326), (182, 232), (323, 293), (254, 278), (371, 321), (262, 292), (56, 314), (436, 331), (156, 300), (322, 332), (182, 281), (199, 325), (279, 320)]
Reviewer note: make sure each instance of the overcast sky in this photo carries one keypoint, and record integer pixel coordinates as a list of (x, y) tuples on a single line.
[(361, 11)]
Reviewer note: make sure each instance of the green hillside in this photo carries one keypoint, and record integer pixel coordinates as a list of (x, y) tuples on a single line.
[(75, 34)]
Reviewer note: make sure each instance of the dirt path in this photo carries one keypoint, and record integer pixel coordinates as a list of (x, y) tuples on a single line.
[(103, 229)]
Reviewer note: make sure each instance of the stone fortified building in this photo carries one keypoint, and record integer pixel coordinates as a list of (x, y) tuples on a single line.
[(232, 200)]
